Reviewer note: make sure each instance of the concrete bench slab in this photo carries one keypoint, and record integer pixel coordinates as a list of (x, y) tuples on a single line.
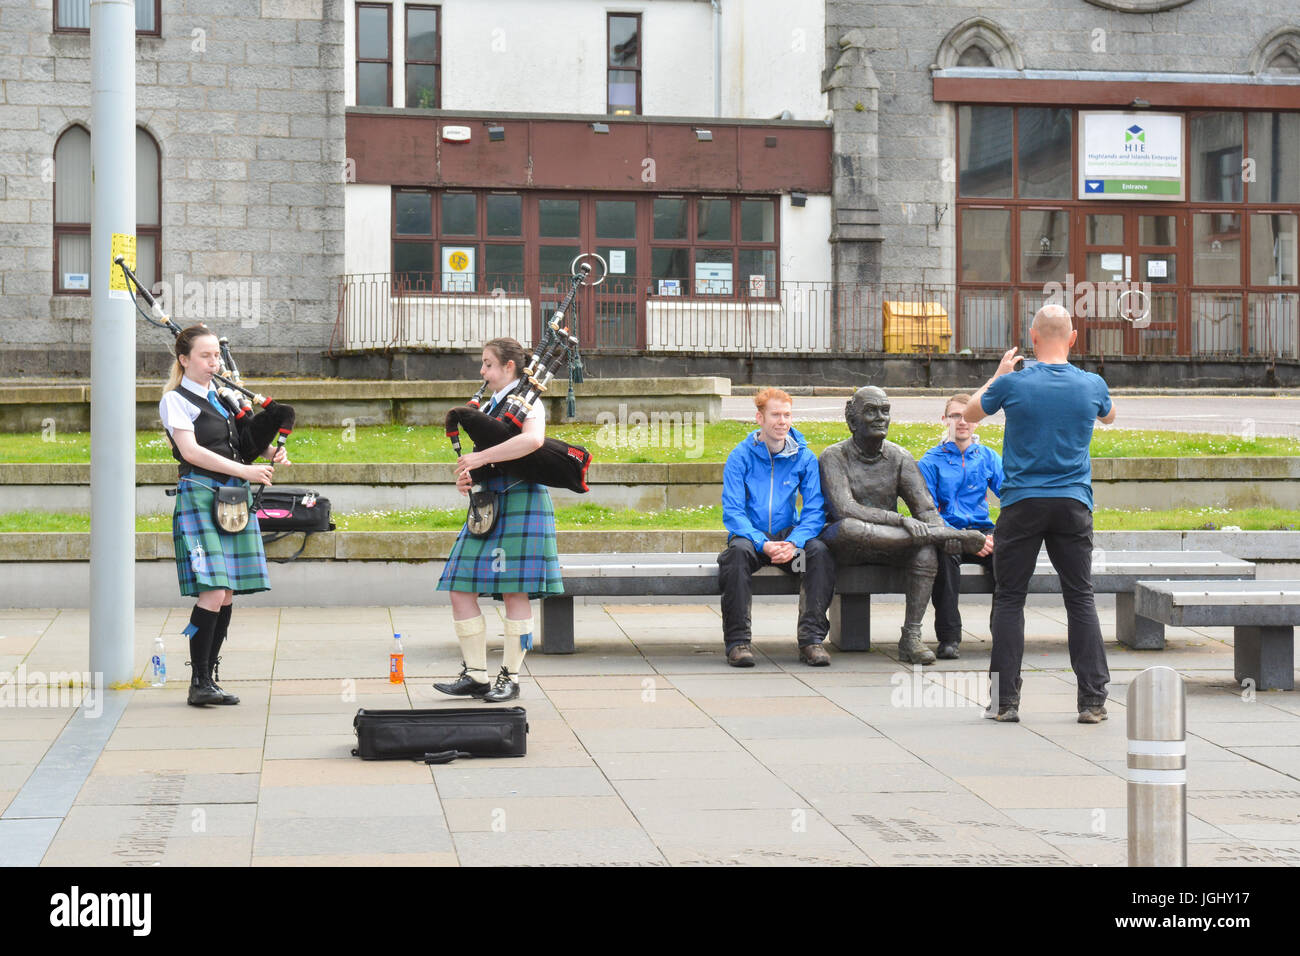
[(1262, 614), (621, 575)]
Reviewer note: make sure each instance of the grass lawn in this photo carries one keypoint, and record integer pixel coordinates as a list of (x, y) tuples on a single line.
[(665, 443), (592, 517)]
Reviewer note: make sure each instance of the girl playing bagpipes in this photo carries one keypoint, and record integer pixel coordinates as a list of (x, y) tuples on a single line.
[(218, 544), (513, 561)]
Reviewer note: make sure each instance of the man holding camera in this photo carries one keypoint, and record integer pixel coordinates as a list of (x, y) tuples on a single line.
[(1046, 498)]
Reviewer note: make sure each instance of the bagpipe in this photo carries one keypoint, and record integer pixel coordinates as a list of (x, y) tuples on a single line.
[(256, 430), (557, 463)]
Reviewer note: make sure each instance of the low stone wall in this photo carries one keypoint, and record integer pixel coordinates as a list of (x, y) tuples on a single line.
[(31, 406), (1127, 483)]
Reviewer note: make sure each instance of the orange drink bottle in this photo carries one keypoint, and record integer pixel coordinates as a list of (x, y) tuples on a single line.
[(395, 673)]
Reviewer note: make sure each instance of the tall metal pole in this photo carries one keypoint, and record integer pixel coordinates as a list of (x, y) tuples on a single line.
[(112, 353), (1157, 769)]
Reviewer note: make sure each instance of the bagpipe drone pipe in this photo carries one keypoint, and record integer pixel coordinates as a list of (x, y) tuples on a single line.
[(557, 463), (256, 430)]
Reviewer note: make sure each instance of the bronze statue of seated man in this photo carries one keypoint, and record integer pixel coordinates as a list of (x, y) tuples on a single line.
[(862, 479)]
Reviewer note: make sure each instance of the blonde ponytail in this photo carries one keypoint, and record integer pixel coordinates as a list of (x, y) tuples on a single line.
[(174, 379)]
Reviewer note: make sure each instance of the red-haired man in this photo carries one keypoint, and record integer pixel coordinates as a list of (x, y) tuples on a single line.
[(762, 478)]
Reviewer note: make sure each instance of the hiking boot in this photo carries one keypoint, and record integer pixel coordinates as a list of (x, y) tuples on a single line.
[(814, 655), (947, 651), (1092, 715), (911, 649), (1007, 714), (739, 655)]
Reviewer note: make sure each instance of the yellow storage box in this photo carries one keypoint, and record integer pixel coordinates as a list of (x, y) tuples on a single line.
[(916, 327)]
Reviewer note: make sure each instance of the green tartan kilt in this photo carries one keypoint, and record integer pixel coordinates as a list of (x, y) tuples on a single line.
[(207, 558), (519, 556)]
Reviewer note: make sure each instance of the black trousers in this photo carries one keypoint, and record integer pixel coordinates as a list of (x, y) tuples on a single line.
[(947, 584), (1065, 526), (736, 567)]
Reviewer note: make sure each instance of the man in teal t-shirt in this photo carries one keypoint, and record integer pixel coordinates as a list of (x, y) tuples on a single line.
[(1046, 498)]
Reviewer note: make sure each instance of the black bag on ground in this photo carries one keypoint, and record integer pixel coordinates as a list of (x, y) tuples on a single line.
[(441, 735), (292, 509)]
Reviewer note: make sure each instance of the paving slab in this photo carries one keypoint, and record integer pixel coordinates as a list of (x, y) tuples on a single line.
[(342, 800), (741, 854), (602, 846), (1029, 792), (143, 788), (498, 814), (495, 781), (353, 834)]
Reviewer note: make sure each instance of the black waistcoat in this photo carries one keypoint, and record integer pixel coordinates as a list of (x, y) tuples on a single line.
[(212, 431)]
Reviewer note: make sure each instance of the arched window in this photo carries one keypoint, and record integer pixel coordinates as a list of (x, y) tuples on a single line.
[(1279, 52), (72, 264), (148, 210), (978, 42), (72, 211)]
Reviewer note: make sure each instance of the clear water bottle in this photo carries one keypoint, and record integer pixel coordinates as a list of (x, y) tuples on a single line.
[(395, 672), (158, 663)]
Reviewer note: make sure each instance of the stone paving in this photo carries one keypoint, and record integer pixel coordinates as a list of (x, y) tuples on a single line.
[(644, 749)]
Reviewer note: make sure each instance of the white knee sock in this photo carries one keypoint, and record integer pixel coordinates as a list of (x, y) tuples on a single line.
[(472, 634), (519, 638)]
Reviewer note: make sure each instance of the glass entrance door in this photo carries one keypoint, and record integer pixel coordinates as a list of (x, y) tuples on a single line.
[(569, 226), (1128, 294)]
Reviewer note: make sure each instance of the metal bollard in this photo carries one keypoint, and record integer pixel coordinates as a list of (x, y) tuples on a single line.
[(1157, 769)]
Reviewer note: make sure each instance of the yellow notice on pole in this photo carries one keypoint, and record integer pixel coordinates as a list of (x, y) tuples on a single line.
[(123, 245)]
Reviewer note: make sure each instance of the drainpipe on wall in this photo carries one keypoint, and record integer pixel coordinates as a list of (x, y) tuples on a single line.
[(717, 57)]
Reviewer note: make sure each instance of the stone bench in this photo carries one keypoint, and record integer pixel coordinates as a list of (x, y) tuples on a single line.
[(649, 575), (1262, 615)]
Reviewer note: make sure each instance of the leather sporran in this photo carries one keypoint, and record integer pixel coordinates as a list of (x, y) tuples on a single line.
[(483, 511), (230, 508)]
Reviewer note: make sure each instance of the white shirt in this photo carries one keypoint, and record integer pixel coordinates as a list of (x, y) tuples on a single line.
[(177, 413), (538, 410)]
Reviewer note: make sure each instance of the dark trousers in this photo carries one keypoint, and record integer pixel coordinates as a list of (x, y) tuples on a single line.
[(1065, 526), (947, 586), (736, 567)]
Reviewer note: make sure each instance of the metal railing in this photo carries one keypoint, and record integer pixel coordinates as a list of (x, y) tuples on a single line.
[(648, 314)]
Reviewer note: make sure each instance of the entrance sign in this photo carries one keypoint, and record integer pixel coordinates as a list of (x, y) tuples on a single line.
[(1131, 155)]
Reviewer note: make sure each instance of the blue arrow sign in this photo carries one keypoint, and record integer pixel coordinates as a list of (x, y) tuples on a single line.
[(1093, 185)]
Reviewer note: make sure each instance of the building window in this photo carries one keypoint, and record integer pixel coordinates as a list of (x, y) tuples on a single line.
[(423, 58), (713, 245), (462, 241), (624, 64), (1275, 148), (72, 212), (72, 266), (73, 16), (457, 241), (148, 210), (374, 54), (1221, 269)]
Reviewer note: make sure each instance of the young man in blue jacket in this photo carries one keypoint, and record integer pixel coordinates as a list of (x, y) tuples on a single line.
[(763, 475), (960, 472)]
